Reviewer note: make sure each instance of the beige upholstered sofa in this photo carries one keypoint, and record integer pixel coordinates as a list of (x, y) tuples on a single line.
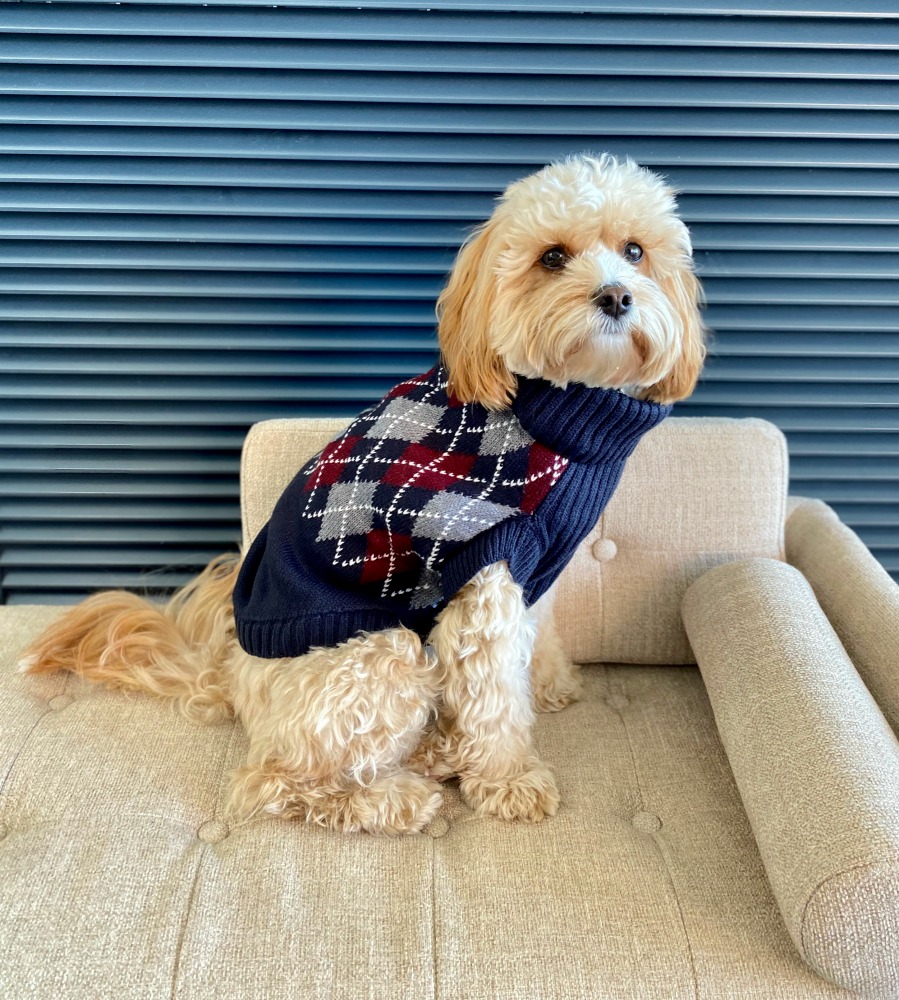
[(730, 831)]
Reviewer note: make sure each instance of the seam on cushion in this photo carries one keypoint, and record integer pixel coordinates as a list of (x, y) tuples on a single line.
[(27, 737), (784, 494), (601, 524), (662, 855), (433, 927), (829, 878), (204, 848), (176, 964), (245, 462)]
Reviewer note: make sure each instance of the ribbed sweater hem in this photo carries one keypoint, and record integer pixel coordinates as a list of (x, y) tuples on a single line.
[(296, 636)]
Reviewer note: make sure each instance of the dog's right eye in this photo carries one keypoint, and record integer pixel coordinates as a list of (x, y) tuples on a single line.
[(554, 258)]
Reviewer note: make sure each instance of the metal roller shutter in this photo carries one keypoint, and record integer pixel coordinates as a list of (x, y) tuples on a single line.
[(211, 214)]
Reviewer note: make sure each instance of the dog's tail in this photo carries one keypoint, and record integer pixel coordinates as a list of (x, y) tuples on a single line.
[(176, 651)]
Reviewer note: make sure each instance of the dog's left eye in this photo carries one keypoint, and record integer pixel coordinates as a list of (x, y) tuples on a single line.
[(554, 258), (633, 252)]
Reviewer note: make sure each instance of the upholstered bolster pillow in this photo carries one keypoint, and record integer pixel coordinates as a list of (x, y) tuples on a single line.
[(816, 764), (856, 592)]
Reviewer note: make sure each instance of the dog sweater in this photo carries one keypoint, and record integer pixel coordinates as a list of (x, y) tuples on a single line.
[(421, 491)]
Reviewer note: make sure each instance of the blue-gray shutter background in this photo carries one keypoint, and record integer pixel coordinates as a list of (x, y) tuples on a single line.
[(217, 213)]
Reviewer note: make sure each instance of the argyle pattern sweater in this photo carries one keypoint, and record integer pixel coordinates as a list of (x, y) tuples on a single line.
[(420, 492)]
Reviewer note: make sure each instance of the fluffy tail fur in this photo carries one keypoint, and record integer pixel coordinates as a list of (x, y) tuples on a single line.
[(176, 651)]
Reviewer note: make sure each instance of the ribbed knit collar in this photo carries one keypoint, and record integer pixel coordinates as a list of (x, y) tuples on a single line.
[(583, 424)]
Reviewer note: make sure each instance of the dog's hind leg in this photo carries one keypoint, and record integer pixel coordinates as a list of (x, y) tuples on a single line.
[(330, 733), (555, 680), (484, 641)]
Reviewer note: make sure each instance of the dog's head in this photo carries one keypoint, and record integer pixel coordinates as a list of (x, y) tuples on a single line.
[(584, 273)]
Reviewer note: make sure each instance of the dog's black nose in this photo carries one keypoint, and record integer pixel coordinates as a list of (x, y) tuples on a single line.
[(613, 300)]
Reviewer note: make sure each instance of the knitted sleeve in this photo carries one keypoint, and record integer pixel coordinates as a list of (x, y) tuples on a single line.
[(513, 541)]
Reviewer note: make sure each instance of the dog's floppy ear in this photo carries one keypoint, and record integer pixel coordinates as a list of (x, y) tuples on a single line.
[(685, 292), (477, 374)]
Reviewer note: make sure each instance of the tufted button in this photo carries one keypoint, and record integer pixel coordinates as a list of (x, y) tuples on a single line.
[(604, 549), (647, 822), (438, 827), (4, 829), (60, 702), (213, 831), (618, 701)]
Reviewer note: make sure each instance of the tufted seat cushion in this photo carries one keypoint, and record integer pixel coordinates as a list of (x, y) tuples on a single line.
[(119, 880)]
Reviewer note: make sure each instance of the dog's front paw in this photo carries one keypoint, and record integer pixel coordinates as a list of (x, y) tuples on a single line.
[(560, 689), (529, 796)]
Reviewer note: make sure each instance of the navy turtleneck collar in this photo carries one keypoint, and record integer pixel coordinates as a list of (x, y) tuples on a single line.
[(584, 424)]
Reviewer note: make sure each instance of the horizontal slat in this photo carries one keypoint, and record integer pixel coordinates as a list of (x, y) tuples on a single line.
[(860, 468), (404, 232), (138, 558), (85, 281), (63, 435), (351, 260), (843, 444), (92, 579), (863, 514), (430, 146), (460, 57), (194, 284), (884, 539), (437, 89), (64, 598), (214, 337), (145, 485), (410, 25), (351, 115), (869, 491), (124, 509), (465, 208), (52, 535), (124, 462), (837, 316), (357, 176)]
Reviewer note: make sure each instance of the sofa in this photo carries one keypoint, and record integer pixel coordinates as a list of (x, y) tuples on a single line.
[(730, 781)]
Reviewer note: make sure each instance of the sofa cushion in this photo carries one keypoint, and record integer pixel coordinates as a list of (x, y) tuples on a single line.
[(697, 491), (118, 877)]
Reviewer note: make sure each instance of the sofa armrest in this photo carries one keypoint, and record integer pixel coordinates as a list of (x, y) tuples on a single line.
[(856, 592), (815, 762)]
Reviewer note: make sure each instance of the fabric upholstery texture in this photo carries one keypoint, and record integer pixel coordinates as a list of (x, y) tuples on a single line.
[(815, 762), (697, 491), (118, 879), (856, 592)]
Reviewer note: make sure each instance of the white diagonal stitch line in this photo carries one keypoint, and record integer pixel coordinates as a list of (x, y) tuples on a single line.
[(440, 385), (371, 455), (484, 494), (379, 442), (408, 483), (365, 415)]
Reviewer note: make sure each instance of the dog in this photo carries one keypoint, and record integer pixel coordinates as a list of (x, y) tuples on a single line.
[(568, 326)]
